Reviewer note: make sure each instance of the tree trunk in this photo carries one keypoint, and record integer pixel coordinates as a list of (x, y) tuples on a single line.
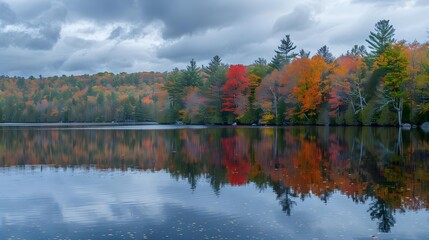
[(400, 117), (360, 100), (399, 110), (275, 150), (399, 143), (361, 150), (275, 105), (276, 110)]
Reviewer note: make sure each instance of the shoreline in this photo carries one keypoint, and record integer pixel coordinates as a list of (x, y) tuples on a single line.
[(76, 124), (130, 124)]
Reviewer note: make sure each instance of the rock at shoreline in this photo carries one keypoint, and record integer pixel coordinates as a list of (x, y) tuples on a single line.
[(425, 126), (406, 126)]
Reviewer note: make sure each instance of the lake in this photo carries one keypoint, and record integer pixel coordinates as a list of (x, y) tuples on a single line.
[(196, 182)]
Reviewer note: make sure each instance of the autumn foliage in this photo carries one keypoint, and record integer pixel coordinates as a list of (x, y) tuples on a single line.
[(236, 159), (234, 98), (308, 78), (313, 163), (387, 86)]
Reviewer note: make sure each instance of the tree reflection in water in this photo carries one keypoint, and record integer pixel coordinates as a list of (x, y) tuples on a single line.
[(285, 195), (382, 213), (388, 167)]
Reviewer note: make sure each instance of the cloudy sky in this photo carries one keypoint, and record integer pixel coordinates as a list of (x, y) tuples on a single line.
[(55, 37)]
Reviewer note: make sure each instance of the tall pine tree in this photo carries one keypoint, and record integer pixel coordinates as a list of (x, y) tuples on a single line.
[(284, 54), (215, 72), (379, 40), (192, 75)]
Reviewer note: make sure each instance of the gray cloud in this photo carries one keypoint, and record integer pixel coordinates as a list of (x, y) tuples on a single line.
[(299, 19), (43, 37), (226, 41), (121, 33), (180, 17), (25, 62), (183, 17), (82, 36), (183, 51), (6, 14), (385, 2), (83, 61), (73, 43), (422, 2), (103, 10), (361, 29), (135, 31), (40, 33), (30, 10), (55, 15), (115, 33)]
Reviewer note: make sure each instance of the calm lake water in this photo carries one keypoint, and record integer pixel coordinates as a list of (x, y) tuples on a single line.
[(169, 182)]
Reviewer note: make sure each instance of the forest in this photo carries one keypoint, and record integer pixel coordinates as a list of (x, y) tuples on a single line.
[(386, 84)]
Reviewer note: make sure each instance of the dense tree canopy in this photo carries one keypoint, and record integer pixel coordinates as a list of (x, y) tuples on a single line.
[(387, 86)]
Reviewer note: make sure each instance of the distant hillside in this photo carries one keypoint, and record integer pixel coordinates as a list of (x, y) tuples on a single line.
[(101, 97)]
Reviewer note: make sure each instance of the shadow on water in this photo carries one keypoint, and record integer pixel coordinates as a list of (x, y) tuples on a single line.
[(387, 168)]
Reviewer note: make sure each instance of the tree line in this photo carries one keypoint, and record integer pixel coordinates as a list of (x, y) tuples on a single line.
[(388, 84)]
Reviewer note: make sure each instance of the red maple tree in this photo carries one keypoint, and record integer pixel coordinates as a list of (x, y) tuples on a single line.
[(234, 89)]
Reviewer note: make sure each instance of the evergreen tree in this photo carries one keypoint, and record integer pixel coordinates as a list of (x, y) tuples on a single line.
[(324, 52), (285, 50), (216, 78), (284, 54), (215, 71), (304, 54), (358, 51), (379, 40), (379, 210), (261, 61), (175, 87), (192, 75), (213, 65), (277, 62)]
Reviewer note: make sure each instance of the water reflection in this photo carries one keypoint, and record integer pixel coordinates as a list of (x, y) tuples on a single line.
[(386, 169)]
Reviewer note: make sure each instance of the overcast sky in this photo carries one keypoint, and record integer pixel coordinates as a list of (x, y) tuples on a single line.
[(55, 37)]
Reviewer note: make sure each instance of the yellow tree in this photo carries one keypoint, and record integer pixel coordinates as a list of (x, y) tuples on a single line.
[(418, 85), (394, 61)]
